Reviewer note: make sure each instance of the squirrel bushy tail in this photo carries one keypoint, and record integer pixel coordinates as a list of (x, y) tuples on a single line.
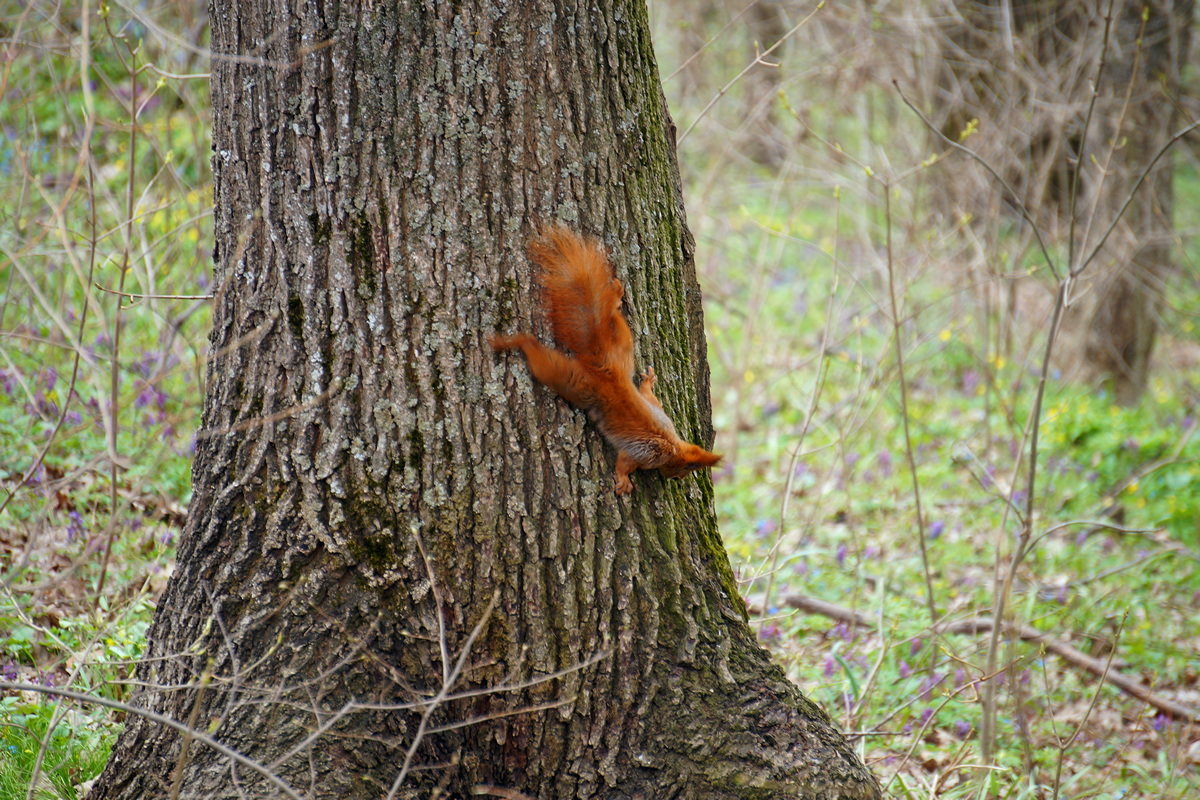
[(582, 298)]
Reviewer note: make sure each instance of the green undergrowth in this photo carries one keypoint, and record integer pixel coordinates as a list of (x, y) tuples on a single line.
[(89, 378), (62, 746), (1111, 569)]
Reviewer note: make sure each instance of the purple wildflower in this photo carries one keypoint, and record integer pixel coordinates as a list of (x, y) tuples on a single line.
[(962, 729), (905, 669), (935, 528), (75, 527), (927, 685), (151, 395)]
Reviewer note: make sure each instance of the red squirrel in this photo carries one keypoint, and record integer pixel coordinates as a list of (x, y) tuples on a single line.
[(582, 298)]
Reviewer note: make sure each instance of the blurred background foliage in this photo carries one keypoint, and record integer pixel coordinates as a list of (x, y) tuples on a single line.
[(878, 305)]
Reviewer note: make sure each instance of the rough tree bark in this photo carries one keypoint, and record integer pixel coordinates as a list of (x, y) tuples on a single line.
[(1025, 69), (377, 495)]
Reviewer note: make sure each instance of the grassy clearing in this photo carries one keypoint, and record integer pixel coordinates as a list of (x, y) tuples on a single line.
[(816, 495)]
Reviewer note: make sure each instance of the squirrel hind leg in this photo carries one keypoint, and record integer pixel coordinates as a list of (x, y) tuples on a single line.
[(647, 386), (560, 372), (514, 342)]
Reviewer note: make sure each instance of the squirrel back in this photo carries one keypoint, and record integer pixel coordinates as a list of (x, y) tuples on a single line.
[(582, 299)]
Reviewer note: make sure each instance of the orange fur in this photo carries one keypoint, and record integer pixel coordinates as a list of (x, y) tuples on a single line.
[(582, 298)]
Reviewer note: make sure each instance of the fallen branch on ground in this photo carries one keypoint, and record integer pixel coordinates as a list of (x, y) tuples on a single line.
[(1026, 632)]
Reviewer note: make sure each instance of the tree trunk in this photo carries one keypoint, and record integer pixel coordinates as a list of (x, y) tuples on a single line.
[(405, 572)]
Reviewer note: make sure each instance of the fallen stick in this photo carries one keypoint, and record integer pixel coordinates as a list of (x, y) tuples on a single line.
[(1026, 632)]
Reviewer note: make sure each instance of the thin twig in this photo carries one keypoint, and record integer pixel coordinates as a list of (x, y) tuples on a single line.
[(818, 386), (711, 39), (758, 59), (66, 402), (115, 374), (1136, 185), (186, 744), (1073, 201), (155, 296), (1014, 198), (1062, 746), (897, 332), (499, 791), (450, 677)]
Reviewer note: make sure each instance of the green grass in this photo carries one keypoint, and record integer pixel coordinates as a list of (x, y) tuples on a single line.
[(64, 746)]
